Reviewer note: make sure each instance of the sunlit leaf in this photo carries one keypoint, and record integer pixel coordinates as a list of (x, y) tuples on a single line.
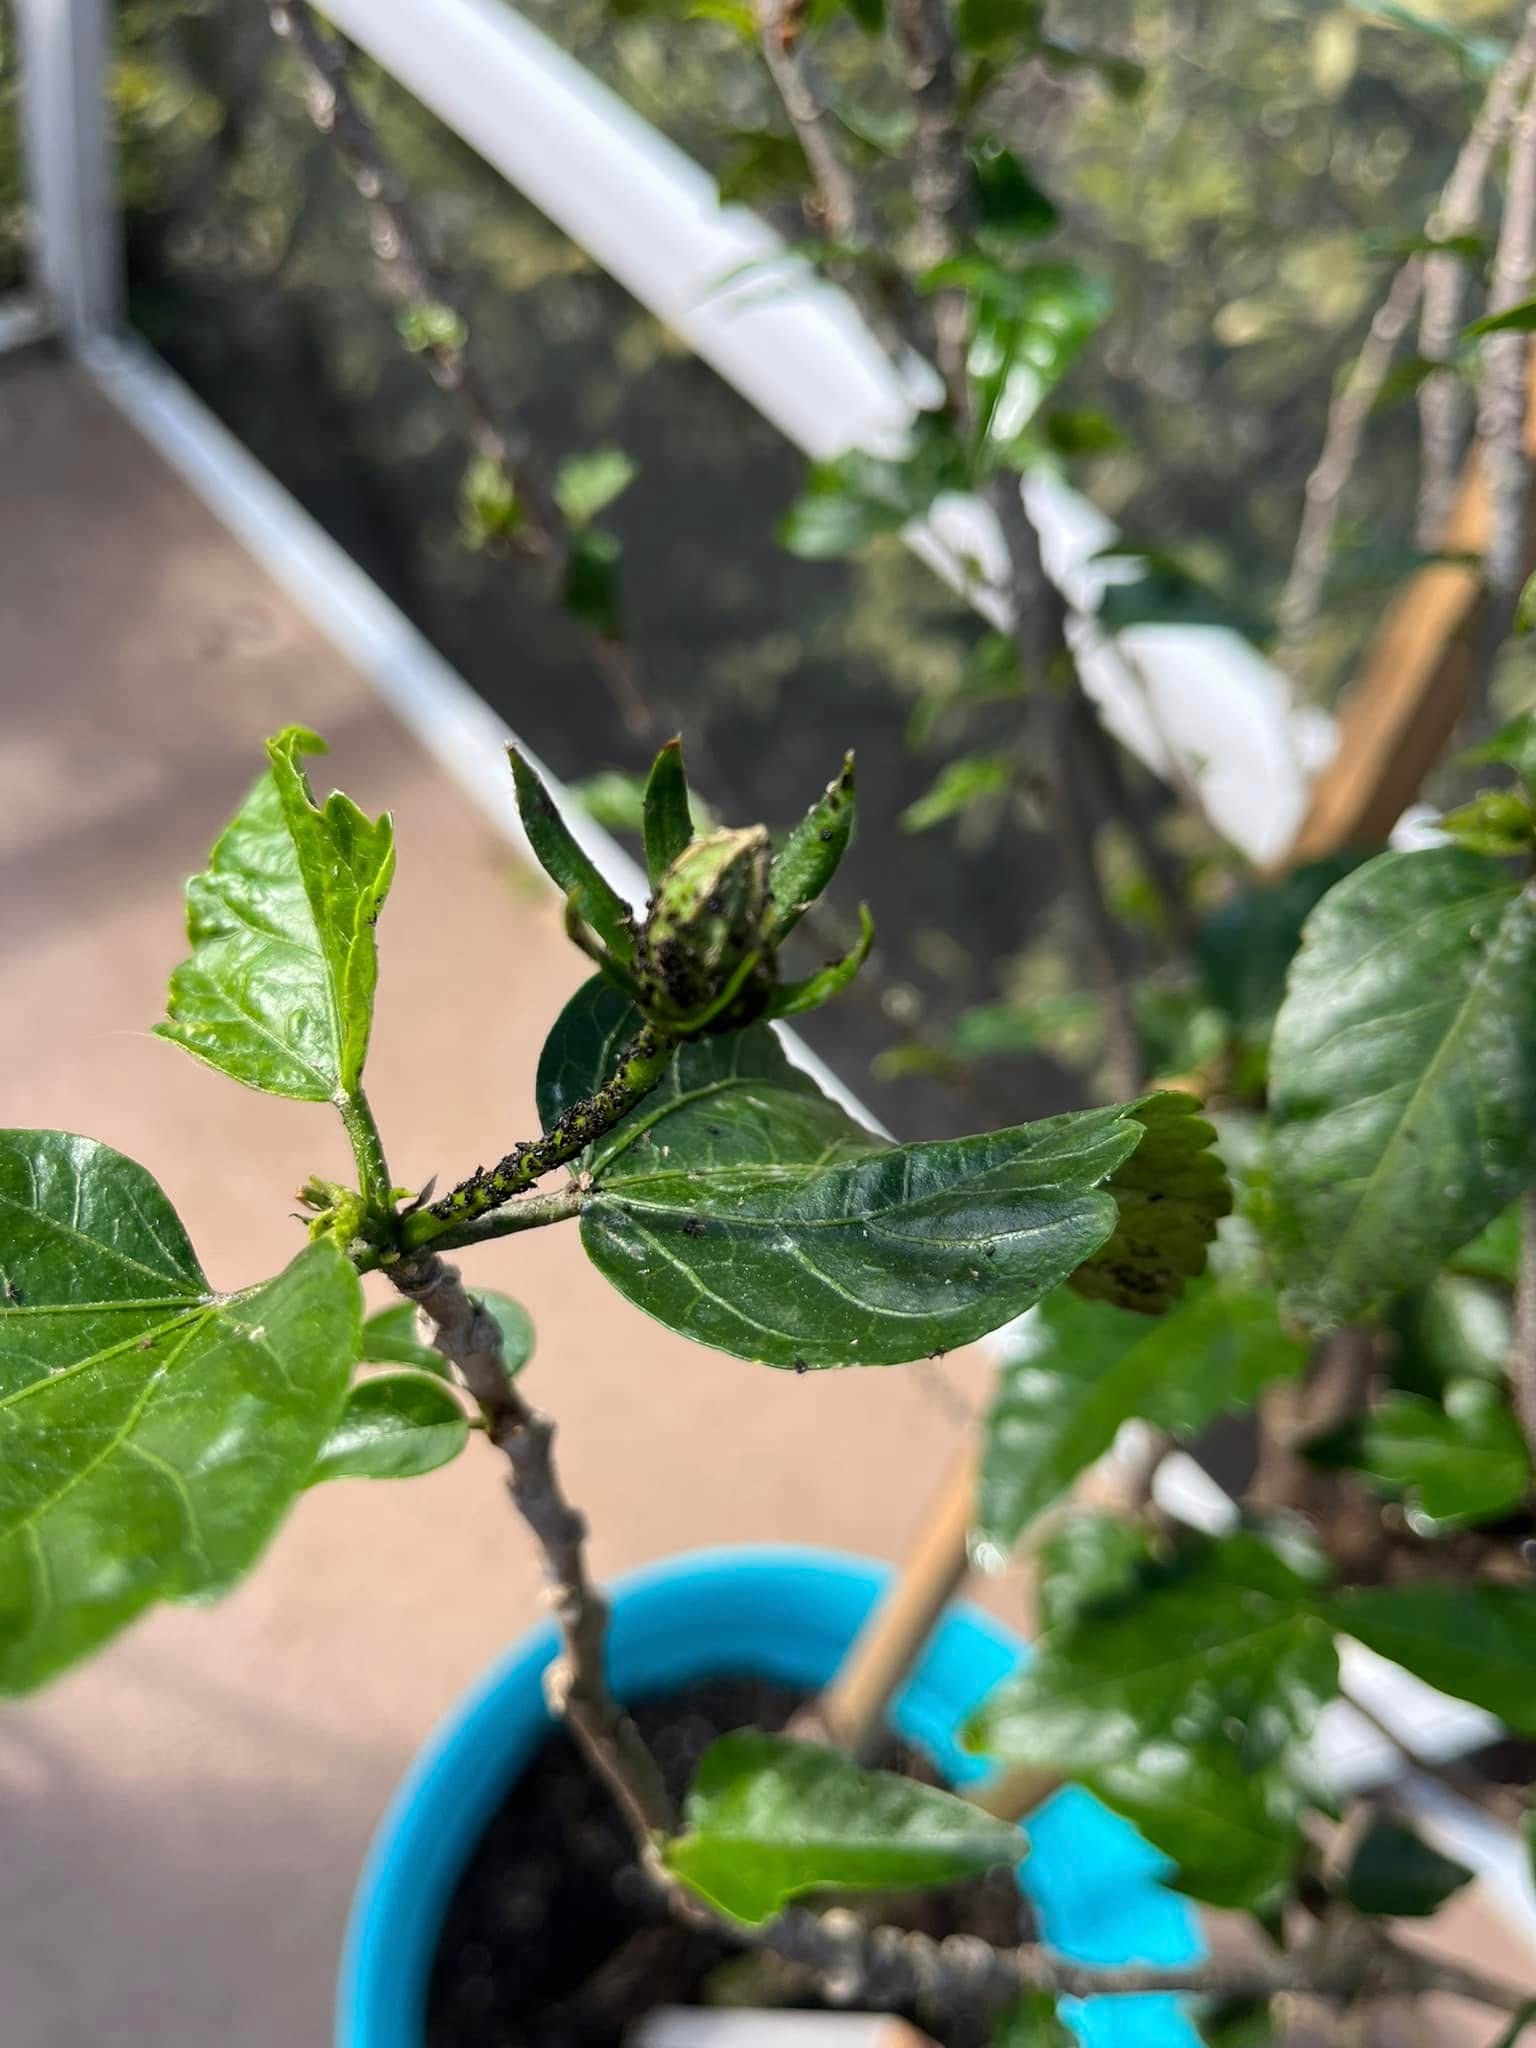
[(152, 1432), (961, 784), (768, 1819), (666, 821), (812, 850), (574, 872), (585, 485), (395, 1425), (279, 990)]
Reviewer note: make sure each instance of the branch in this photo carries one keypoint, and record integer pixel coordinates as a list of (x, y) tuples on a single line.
[(1502, 393), (640, 1067), (402, 250), (467, 1336), (943, 184), (1302, 597), (1522, 1357), (1442, 402)]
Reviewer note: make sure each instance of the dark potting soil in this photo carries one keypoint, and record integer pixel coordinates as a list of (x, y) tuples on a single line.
[(554, 1939)]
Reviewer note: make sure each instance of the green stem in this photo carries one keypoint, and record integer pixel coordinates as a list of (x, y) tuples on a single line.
[(641, 1065), (528, 1212), (373, 1181)]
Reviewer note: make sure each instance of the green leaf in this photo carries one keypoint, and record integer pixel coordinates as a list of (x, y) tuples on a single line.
[(278, 993), (1186, 1705), (983, 24), (1519, 319), (1088, 1560), (393, 1336), (1167, 593), (1012, 206), (1525, 611), (573, 871), (1474, 1642), (762, 164), (741, 1207), (592, 595), (1525, 2018), (1030, 2021), (855, 497), (395, 1425), (585, 485), (961, 784), (992, 1029), (794, 998), (1464, 1462), (1458, 1328), (1171, 1193), (769, 1819), (152, 1433), (1403, 1077), (1029, 326), (1494, 1254), (1076, 1370), (667, 821), (1394, 1872), (811, 852), (1497, 821), (1513, 746)]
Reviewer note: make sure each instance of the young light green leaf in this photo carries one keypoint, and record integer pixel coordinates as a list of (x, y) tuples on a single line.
[(573, 871), (667, 822), (585, 485), (1076, 1370), (740, 1206), (768, 1819), (1185, 1705), (1520, 319), (857, 496), (395, 1425), (1394, 1872), (278, 993), (809, 857), (1403, 1090), (393, 1336), (960, 785), (152, 1433), (1475, 1642), (1465, 1461), (1171, 1193)]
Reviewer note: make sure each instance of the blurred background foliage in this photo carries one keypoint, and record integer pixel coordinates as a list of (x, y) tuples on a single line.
[(1241, 175)]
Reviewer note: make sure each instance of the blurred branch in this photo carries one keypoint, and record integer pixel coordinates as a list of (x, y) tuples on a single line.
[(1302, 597), (402, 249), (1502, 391), (1443, 404), (943, 184)]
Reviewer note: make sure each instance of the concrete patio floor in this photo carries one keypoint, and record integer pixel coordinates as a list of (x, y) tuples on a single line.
[(182, 1820)]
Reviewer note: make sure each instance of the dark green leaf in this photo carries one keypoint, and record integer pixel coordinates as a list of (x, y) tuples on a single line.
[(1245, 947), (983, 24), (1012, 206), (1458, 1328), (1394, 1872), (762, 164), (1029, 326), (1519, 2027), (279, 990), (1031, 2022), (1171, 1193), (961, 784), (585, 485), (1494, 1254), (1076, 1370), (869, 14), (769, 1819), (741, 1207), (1403, 1089), (668, 823), (1464, 1461), (1519, 319), (1475, 1642), (152, 1433), (395, 1425), (592, 581), (560, 857), (1080, 431), (1167, 593), (809, 857), (1123, 76), (1185, 1705)]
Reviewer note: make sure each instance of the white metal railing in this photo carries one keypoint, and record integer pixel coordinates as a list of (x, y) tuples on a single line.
[(652, 218)]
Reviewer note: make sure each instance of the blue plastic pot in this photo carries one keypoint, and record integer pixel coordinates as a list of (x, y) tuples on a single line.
[(785, 1615)]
